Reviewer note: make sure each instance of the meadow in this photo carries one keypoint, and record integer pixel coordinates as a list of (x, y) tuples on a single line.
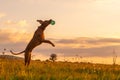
[(45, 70)]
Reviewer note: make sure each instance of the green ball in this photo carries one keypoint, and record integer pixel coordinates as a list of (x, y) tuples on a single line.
[(52, 22)]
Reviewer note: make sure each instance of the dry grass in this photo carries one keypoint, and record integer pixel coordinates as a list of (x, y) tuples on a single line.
[(15, 70)]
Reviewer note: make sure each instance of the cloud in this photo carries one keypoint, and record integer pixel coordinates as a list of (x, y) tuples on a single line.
[(89, 40), (82, 46), (88, 47), (11, 36), (11, 39), (20, 26), (20, 23), (86, 42), (2, 15), (4, 36), (85, 52)]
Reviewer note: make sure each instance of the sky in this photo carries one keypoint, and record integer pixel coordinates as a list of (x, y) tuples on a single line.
[(83, 27)]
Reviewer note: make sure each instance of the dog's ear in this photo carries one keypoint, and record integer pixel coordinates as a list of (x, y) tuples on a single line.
[(40, 21)]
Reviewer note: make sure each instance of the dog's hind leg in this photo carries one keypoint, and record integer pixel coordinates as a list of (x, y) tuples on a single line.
[(27, 58)]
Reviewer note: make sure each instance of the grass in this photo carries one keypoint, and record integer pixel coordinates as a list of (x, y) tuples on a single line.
[(15, 70)]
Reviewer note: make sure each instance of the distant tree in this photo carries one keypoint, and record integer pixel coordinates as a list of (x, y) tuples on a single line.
[(47, 60), (114, 57), (4, 51), (37, 60), (53, 57)]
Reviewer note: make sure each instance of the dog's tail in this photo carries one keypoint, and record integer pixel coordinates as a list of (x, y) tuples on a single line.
[(17, 53)]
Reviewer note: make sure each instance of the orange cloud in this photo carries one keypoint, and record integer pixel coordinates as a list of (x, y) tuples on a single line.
[(20, 23), (9, 35), (9, 22), (2, 15), (84, 46), (86, 42)]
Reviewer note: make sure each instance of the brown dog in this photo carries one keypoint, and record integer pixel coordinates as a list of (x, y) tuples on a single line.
[(37, 39)]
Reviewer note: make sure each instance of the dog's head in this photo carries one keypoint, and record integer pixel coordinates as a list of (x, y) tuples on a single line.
[(45, 23)]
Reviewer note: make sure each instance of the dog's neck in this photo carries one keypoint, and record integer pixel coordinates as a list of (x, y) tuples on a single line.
[(42, 27)]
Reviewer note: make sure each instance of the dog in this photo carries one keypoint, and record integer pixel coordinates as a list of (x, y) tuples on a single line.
[(37, 39)]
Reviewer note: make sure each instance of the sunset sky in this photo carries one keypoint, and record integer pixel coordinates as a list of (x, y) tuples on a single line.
[(83, 27)]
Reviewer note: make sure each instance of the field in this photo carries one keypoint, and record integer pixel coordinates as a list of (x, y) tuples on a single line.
[(15, 70)]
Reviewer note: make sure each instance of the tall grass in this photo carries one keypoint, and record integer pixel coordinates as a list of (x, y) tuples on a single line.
[(15, 70)]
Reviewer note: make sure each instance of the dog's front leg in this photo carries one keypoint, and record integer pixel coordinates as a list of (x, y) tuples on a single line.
[(47, 41)]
